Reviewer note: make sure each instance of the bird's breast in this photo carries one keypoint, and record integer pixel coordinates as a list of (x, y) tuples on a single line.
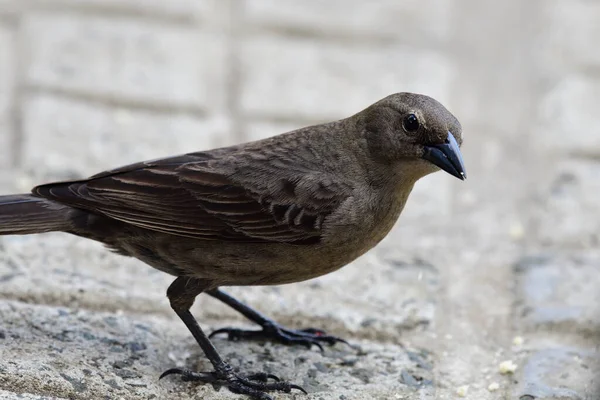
[(372, 218)]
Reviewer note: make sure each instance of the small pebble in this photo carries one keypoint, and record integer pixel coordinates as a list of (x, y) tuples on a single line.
[(507, 367), (493, 386), (518, 340), (462, 390)]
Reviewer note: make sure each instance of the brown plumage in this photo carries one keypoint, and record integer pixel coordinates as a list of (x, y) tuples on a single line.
[(279, 210)]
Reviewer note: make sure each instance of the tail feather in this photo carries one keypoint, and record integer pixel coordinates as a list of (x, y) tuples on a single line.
[(23, 214)]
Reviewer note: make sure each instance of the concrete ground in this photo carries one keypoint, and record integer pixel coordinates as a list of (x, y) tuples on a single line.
[(486, 289)]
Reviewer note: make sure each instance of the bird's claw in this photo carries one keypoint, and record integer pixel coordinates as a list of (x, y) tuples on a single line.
[(253, 385), (307, 337), (263, 377)]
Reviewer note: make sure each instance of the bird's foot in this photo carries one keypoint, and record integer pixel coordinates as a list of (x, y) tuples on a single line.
[(253, 385), (272, 331)]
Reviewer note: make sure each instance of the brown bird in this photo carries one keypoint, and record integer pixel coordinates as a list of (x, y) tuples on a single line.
[(279, 210)]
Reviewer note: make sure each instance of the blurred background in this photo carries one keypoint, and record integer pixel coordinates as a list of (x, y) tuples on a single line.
[(499, 270)]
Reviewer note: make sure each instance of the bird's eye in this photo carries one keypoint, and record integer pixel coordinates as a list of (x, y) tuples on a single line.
[(410, 123)]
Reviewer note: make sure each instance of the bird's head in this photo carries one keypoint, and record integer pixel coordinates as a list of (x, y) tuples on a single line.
[(416, 132)]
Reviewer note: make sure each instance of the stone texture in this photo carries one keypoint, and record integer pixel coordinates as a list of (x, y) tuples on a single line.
[(568, 38), (125, 60), (406, 20), (257, 130), (562, 213), (8, 7), (304, 81), (493, 46), (558, 292), (120, 356), (103, 282), (557, 308), (80, 138), (5, 395), (175, 8), (568, 112), (181, 9), (7, 87), (564, 373)]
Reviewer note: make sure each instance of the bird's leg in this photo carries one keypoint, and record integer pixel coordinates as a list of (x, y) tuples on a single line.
[(270, 329), (182, 294)]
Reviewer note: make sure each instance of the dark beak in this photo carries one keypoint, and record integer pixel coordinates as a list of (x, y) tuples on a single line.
[(447, 156)]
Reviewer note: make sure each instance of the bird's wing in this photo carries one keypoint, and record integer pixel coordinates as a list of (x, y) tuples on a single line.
[(192, 196)]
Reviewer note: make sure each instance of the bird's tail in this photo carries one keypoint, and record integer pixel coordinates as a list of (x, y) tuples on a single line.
[(23, 214)]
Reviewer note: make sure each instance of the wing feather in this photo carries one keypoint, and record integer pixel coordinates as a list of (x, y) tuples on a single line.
[(194, 196)]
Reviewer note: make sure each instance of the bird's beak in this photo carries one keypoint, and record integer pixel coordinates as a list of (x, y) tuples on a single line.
[(447, 156)]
